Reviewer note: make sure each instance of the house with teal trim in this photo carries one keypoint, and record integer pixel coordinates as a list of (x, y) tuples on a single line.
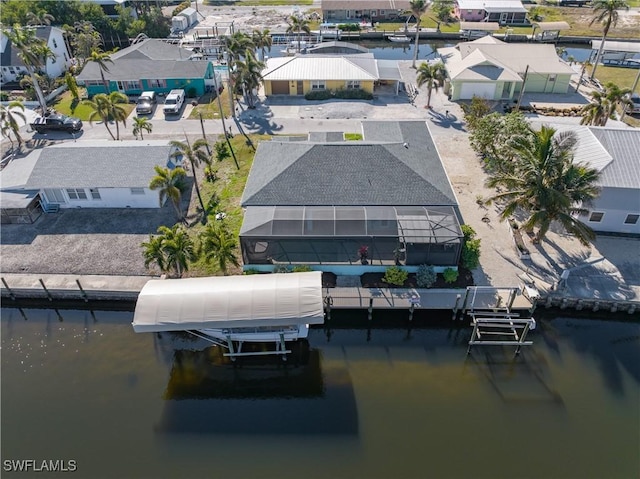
[(150, 65)]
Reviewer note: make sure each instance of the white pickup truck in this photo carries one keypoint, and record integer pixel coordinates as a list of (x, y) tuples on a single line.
[(173, 102)]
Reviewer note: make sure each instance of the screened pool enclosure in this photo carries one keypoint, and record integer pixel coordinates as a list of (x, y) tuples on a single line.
[(375, 235)]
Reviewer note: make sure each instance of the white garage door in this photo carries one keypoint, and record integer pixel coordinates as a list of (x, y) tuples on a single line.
[(483, 90)]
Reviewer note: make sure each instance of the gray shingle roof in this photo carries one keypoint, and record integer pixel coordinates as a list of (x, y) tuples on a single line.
[(152, 49), (384, 172), (10, 55), (146, 69), (624, 146), (118, 165)]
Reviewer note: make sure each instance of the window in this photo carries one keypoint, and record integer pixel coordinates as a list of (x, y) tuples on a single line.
[(317, 85), (552, 78), (132, 85), (157, 83), (353, 84), (55, 44), (631, 219), (95, 194), (76, 193), (137, 191), (596, 217), (11, 70)]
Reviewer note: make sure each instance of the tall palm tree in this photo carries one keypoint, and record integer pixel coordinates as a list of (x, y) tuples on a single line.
[(178, 248), (99, 110), (249, 75), (196, 155), (298, 25), (433, 75), (33, 52), (218, 245), (108, 107), (417, 7), (85, 39), (606, 13), (101, 59), (141, 123), (262, 40), (170, 184), (236, 45), (9, 116), (154, 253), (546, 184), (603, 105), (39, 18)]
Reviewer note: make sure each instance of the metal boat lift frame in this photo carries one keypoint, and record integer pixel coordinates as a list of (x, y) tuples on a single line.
[(281, 348), (488, 325)]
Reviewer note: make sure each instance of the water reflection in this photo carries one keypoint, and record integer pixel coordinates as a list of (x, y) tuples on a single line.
[(209, 394)]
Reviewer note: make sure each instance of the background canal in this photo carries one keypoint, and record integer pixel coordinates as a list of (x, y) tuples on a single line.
[(377, 404)]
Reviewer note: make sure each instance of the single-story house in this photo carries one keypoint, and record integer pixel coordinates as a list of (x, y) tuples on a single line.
[(614, 153), (83, 174), (505, 12), (323, 201), (150, 65), (336, 11), (304, 73), (13, 67), (495, 70)]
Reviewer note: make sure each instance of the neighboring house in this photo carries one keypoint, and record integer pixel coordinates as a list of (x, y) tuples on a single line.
[(509, 12), (614, 153), (150, 65), (336, 11), (13, 67), (96, 174), (494, 70), (321, 201), (301, 74)]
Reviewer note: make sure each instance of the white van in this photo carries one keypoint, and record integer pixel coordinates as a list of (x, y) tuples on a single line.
[(173, 102)]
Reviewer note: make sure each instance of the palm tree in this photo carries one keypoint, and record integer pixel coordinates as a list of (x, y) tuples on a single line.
[(417, 7), (9, 116), (154, 252), (170, 184), (33, 52), (433, 75), (262, 40), (39, 18), (298, 25), (101, 59), (196, 155), (217, 244), (249, 75), (606, 13), (237, 44), (603, 105), (178, 248), (546, 184), (85, 39), (141, 123), (107, 107)]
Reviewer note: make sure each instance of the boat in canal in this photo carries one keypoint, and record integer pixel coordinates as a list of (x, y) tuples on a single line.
[(229, 311), (398, 38)]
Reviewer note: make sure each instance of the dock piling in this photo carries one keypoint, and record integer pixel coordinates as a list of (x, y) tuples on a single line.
[(11, 295), (45, 289), (370, 309), (84, 295), (454, 312)]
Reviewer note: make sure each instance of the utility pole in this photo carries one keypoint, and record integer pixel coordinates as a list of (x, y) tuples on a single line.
[(524, 81)]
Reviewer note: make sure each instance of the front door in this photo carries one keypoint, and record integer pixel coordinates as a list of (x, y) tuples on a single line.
[(300, 88), (503, 17), (506, 90)]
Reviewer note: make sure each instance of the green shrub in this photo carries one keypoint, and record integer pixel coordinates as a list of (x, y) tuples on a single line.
[(470, 248), (179, 8), (318, 95), (395, 275), (250, 271), (450, 275), (281, 268), (356, 94), (349, 27), (301, 268), (191, 92), (426, 276)]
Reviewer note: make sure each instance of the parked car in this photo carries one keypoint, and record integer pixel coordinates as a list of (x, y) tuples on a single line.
[(56, 122), (146, 103), (173, 102), (635, 99)]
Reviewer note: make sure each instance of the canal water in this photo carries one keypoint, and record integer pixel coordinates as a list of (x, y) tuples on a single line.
[(382, 403)]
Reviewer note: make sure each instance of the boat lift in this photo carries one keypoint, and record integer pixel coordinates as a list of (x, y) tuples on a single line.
[(506, 329)]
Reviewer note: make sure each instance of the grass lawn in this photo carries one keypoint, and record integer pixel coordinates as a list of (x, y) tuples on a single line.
[(67, 106), (623, 77), (353, 136), (228, 188), (210, 111)]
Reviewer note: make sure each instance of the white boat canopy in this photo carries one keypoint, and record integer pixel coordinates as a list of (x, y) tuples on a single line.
[(611, 46), (269, 300)]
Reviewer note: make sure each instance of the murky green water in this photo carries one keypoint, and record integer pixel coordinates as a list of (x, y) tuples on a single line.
[(126, 405)]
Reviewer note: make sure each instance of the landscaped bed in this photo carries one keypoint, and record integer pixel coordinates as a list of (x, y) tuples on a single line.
[(374, 280)]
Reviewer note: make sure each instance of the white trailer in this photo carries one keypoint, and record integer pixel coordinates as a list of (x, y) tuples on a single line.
[(190, 14), (179, 23)]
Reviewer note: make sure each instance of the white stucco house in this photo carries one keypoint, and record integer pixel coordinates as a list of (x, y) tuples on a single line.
[(13, 67), (495, 70), (614, 152), (96, 174)]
